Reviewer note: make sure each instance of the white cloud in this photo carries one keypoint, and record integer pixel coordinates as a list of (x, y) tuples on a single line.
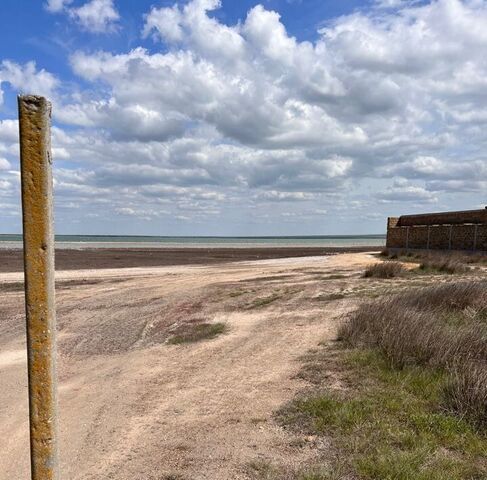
[(252, 115), (27, 78), (399, 193), (9, 131), (56, 6), (4, 164), (98, 16), (274, 195)]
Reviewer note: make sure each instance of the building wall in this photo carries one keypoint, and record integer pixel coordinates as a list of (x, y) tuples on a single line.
[(455, 236), (444, 218)]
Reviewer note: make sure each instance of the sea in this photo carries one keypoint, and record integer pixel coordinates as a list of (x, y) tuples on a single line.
[(133, 241)]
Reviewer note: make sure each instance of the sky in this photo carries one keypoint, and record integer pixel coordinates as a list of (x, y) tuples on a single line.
[(284, 117)]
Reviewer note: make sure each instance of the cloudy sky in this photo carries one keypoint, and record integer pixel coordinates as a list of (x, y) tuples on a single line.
[(284, 117)]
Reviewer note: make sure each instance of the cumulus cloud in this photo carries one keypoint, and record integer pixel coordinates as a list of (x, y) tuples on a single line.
[(97, 16), (55, 6), (4, 164), (401, 191), (386, 105), (27, 78), (9, 131)]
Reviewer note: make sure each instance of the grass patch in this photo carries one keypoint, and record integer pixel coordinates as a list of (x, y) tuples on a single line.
[(389, 426), (328, 297), (436, 327), (264, 301), (450, 266), (237, 293), (385, 270), (466, 393), (428, 326), (190, 333), (410, 387), (437, 257)]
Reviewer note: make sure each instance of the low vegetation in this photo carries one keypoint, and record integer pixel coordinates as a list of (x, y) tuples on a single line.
[(387, 424), (411, 401), (264, 470), (329, 297), (439, 327), (264, 301), (190, 333), (387, 269), (444, 265), (437, 261), (437, 256)]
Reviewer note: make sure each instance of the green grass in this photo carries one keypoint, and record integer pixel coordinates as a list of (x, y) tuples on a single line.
[(237, 293), (197, 333), (389, 425), (264, 301)]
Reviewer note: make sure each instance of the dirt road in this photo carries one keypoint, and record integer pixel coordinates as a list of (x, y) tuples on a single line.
[(135, 407)]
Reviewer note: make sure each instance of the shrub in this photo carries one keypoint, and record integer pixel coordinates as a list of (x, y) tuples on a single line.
[(385, 270), (466, 393), (434, 325), (450, 265), (442, 327), (443, 261)]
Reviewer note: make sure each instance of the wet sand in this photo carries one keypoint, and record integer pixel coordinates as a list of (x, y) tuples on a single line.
[(92, 258)]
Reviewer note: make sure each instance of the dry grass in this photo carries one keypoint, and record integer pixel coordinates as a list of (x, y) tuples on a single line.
[(437, 260), (444, 265), (438, 327), (384, 423), (385, 270), (466, 393)]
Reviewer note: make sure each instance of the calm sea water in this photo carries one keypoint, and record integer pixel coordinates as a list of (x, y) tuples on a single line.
[(105, 241)]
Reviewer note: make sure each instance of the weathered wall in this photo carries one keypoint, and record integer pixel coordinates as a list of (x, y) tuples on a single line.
[(456, 235), (444, 218)]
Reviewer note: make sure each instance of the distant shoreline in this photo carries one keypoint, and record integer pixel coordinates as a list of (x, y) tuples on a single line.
[(78, 242), (99, 258)]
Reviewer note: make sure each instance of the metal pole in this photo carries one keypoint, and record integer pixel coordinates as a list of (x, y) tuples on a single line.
[(36, 178)]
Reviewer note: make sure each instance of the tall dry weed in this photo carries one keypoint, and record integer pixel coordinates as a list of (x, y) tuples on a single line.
[(442, 327)]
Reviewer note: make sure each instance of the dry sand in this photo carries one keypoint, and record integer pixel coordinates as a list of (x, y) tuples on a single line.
[(134, 407)]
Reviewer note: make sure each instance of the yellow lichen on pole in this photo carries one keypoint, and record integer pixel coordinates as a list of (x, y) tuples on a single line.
[(38, 232)]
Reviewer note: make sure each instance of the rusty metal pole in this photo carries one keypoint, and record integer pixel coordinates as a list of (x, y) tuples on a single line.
[(36, 179)]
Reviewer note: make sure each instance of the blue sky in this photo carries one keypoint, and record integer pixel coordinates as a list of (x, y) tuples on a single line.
[(29, 31), (245, 118)]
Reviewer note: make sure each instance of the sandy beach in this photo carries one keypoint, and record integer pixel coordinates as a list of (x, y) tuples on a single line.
[(133, 406)]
